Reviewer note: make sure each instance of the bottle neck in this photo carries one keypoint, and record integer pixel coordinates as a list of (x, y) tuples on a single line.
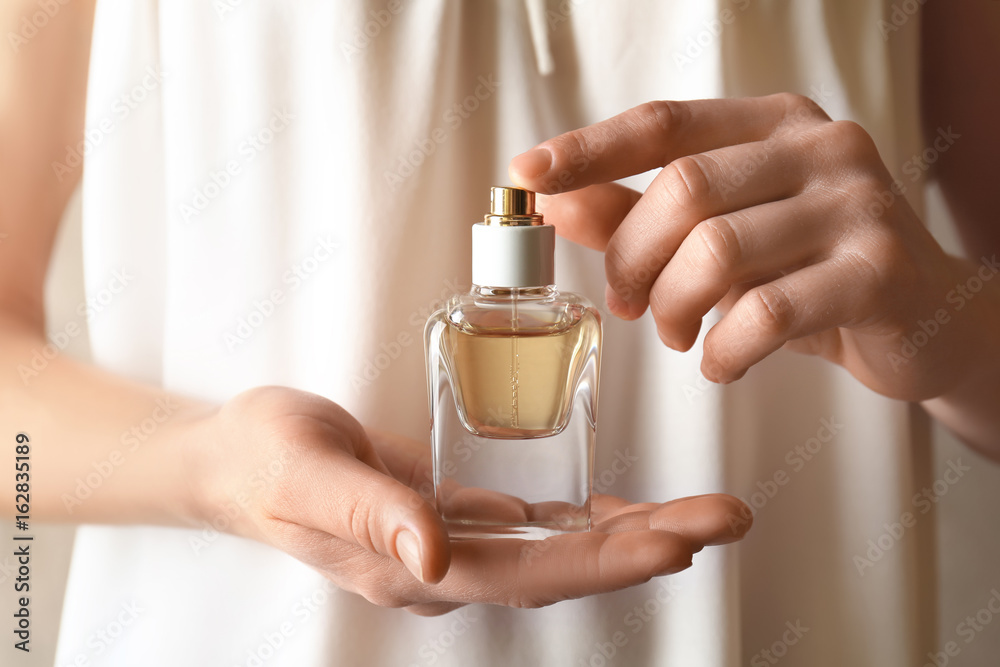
[(507, 293)]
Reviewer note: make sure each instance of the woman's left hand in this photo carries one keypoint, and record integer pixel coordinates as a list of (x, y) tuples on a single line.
[(786, 220)]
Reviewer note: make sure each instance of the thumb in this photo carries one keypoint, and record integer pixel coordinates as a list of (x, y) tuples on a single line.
[(346, 491)]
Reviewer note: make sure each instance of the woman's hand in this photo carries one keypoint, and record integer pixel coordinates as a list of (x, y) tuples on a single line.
[(787, 221), (294, 470)]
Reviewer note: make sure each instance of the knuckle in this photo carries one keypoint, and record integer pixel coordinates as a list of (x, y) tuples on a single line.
[(800, 108), (867, 277), (876, 269), (686, 182), (582, 144), (850, 139), (717, 245), (618, 268), (878, 254), (871, 194), (810, 141), (362, 521), (521, 594), (770, 310), (663, 114), (847, 163), (578, 143)]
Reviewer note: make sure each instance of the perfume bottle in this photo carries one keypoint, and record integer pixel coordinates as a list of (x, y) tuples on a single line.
[(513, 370)]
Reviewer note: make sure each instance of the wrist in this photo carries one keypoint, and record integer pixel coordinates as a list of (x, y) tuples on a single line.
[(972, 300), (189, 436), (968, 406), (222, 480), (947, 341)]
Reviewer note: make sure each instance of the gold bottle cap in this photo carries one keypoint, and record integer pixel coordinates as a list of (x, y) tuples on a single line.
[(512, 207)]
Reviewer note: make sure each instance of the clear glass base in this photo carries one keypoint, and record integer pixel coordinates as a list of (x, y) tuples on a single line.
[(502, 487)]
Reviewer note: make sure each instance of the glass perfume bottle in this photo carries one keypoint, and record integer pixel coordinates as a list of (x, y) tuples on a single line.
[(513, 371)]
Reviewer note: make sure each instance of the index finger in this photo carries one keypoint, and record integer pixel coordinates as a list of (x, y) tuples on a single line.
[(653, 135), (520, 573)]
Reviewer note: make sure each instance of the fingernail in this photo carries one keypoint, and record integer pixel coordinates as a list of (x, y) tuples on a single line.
[(408, 548), (532, 164), (617, 305)]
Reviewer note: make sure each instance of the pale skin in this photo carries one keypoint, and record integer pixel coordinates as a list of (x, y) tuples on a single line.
[(345, 496)]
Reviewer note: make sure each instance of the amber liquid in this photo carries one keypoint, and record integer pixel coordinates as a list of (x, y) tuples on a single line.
[(519, 385)]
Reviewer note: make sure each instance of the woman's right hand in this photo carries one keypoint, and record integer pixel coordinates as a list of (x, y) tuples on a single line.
[(294, 470)]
